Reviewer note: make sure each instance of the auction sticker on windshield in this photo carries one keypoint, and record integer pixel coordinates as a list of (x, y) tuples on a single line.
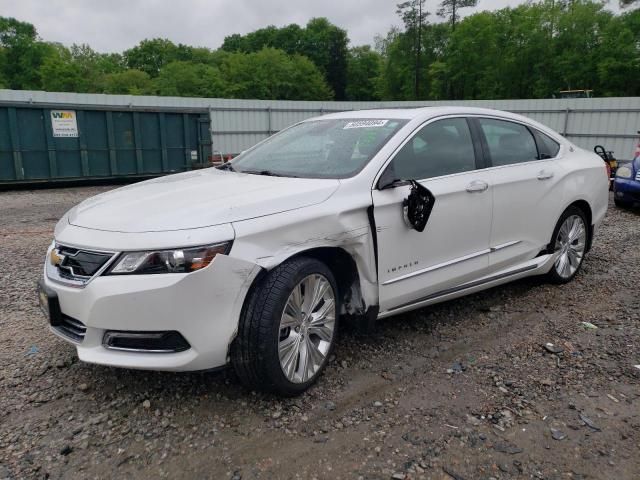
[(366, 124)]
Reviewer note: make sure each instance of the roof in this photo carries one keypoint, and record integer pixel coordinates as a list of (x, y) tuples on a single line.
[(423, 113)]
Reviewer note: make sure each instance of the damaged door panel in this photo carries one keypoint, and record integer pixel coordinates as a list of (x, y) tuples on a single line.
[(458, 226), (432, 234)]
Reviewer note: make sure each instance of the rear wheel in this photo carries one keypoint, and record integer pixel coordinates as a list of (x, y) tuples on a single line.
[(569, 241), (288, 328)]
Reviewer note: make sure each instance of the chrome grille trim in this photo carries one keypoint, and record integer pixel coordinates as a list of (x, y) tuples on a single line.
[(65, 275), (71, 329)]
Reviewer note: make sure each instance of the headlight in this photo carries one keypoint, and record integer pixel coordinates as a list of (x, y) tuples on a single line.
[(182, 260), (623, 172)]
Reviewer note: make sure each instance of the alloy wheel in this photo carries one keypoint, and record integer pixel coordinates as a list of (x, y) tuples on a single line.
[(307, 328), (570, 245)]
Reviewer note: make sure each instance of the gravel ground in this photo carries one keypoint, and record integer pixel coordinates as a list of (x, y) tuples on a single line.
[(463, 390)]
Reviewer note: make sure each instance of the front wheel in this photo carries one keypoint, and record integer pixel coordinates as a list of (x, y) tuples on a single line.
[(569, 242), (288, 328)]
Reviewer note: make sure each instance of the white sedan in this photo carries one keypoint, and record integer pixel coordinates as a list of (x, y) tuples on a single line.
[(359, 214)]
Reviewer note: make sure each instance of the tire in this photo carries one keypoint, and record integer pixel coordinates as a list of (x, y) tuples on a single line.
[(572, 251), (265, 333)]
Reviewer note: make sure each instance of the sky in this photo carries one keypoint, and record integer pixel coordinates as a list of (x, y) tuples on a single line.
[(115, 25)]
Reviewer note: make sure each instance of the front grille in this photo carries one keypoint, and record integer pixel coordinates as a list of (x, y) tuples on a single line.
[(71, 328), (80, 263), (638, 176), (76, 267)]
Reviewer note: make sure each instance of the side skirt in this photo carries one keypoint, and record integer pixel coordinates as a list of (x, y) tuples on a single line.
[(536, 266)]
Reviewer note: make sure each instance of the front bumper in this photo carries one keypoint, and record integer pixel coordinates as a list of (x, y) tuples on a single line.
[(627, 189), (204, 307)]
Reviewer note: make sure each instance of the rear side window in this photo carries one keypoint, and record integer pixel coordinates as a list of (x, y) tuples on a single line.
[(547, 146), (508, 142), (441, 148)]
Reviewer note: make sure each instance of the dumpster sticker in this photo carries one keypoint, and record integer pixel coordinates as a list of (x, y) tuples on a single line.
[(64, 124)]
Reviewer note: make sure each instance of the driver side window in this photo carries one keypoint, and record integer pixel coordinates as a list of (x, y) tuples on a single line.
[(441, 148)]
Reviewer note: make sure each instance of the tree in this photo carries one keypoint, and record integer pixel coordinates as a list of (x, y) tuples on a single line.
[(397, 80), (475, 76), (451, 9), (413, 15), (128, 82), (23, 54), (272, 74), (58, 73), (151, 55), (322, 42), (577, 40), (77, 69), (187, 79), (327, 45), (619, 59), (363, 72), (530, 51), (289, 39), (3, 67)]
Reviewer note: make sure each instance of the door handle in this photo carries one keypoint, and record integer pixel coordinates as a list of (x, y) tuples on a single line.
[(477, 186), (545, 175)]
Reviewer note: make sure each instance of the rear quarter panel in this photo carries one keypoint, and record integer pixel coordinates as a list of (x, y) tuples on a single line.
[(585, 179)]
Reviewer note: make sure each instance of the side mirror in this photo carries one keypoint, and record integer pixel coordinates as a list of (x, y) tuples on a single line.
[(417, 207)]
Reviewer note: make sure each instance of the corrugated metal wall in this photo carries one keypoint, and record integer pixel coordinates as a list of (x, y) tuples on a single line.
[(238, 124), (613, 122)]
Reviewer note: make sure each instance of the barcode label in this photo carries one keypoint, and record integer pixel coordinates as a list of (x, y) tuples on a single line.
[(366, 124)]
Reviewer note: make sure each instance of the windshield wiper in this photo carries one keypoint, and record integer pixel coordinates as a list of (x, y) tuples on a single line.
[(226, 166), (266, 173)]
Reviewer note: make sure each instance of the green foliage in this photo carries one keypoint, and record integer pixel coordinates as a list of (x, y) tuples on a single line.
[(289, 39), (327, 46), (187, 79), (58, 72), (619, 56), (413, 14), (363, 71), (531, 51), (450, 9), (271, 73), (78, 69), (150, 56), (397, 81), (3, 68), (128, 82), (320, 41), (22, 55)]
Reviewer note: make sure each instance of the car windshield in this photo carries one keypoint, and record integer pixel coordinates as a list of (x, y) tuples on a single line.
[(319, 149)]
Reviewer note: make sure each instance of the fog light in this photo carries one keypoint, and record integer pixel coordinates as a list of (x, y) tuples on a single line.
[(149, 342)]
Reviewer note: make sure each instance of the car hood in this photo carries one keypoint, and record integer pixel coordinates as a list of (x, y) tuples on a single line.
[(197, 199)]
